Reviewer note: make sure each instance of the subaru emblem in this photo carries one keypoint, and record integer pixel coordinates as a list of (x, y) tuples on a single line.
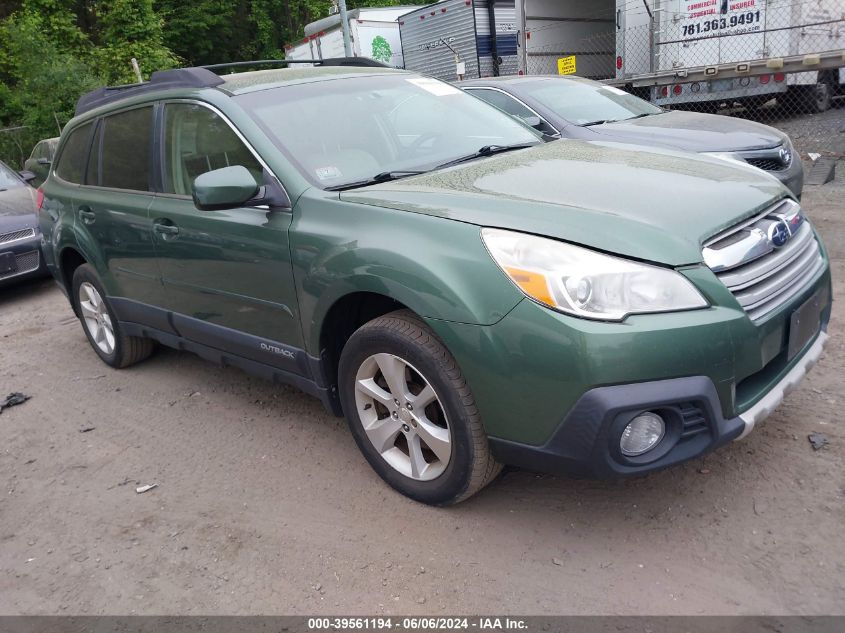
[(779, 234), (785, 156)]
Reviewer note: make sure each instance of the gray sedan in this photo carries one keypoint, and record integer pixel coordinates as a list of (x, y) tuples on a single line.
[(573, 107), (20, 237)]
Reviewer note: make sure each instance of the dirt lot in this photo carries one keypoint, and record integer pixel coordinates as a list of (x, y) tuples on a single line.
[(264, 504)]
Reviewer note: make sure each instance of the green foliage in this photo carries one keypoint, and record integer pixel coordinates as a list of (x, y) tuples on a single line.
[(53, 51), (130, 29), (42, 81)]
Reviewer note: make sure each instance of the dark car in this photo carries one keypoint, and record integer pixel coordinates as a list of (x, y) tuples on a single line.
[(20, 237), (40, 160), (573, 107)]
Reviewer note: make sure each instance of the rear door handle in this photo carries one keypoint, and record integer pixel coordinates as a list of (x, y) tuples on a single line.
[(86, 215), (165, 229)]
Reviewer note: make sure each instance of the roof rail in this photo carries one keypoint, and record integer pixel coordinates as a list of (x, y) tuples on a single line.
[(160, 79), (200, 77), (333, 61)]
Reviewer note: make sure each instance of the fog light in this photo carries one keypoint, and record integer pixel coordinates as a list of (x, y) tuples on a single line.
[(642, 434)]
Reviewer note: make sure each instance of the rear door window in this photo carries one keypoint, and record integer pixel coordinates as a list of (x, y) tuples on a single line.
[(74, 157), (126, 145)]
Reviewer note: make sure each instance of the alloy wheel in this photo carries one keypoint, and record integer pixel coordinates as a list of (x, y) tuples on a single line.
[(96, 317), (403, 417)]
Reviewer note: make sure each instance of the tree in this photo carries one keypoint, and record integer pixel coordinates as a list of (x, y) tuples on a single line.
[(42, 77), (127, 29), (204, 31)]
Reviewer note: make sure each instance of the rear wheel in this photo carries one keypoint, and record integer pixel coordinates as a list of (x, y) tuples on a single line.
[(820, 99), (815, 98), (100, 324), (412, 413)]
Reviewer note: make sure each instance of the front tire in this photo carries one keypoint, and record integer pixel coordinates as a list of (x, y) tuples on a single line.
[(100, 324), (412, 413)]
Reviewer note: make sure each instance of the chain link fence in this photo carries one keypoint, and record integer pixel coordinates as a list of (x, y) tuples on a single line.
[(766, 60)]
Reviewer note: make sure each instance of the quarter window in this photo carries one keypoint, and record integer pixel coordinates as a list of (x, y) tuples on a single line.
[(197, 141), (125, 162), (71, 167)]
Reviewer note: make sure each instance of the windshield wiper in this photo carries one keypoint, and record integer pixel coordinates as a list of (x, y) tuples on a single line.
[(385, 176), (487, 150), (643, 115), (599, 122)]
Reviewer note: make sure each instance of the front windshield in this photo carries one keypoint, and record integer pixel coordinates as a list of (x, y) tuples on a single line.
[(343, 131), (8, 179), (582, 101)]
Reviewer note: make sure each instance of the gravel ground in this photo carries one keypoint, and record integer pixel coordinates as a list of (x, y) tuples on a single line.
[(264, 504)]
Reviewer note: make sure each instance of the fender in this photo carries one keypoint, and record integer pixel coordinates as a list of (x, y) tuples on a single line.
[(446, 275)]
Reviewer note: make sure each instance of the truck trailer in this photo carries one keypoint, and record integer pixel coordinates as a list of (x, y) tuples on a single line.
[(660, 36), (530, 37), (374, 33), (461, 39)]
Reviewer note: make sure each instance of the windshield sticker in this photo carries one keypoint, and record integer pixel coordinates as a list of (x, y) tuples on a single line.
[(437, 88), (328, 173)]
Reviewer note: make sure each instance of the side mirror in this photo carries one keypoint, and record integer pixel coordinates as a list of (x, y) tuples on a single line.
[(27, 176), (227, 188), (534, 121), (43, 161)]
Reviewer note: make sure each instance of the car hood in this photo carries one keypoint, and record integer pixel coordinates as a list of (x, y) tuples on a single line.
[(646, 203), (16, 202), (693, 132)]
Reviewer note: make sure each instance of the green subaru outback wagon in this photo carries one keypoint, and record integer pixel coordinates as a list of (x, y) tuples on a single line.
[(466, 295)]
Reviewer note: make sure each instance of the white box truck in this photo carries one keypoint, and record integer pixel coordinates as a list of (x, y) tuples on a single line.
[(374, 33), (655, 36)]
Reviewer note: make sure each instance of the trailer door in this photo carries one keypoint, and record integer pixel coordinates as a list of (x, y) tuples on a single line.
[(633, 38), (379, 41), (709, 32), (430, 33)]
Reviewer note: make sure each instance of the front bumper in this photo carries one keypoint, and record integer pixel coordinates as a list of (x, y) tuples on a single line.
[(555, 392), (586, 442), (771, 401), (28, 259)]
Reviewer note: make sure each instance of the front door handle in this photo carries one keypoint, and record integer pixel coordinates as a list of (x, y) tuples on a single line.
[(165, 229), (87, 215)]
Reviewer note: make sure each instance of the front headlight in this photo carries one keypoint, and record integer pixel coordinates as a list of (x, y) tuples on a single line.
[(586, 283)]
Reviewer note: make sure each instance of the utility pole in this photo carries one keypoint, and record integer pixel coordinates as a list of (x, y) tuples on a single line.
[(137, 70), (344, 24)]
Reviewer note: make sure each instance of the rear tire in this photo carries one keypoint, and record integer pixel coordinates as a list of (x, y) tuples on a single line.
[(814, 99), (436, 453), (100, 324)]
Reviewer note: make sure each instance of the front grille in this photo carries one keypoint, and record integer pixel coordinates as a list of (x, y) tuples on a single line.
[(17, 235), (774, 159), (761, 276), (694, 422), (768, 164), (26, 263)]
